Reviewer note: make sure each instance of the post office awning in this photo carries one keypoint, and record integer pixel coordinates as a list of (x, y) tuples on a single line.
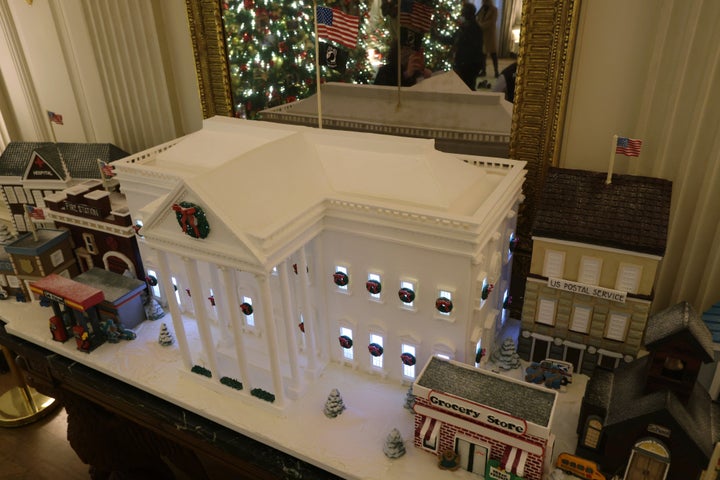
[(73, 294)]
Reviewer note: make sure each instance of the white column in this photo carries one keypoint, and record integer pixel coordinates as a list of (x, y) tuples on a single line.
[(175, 313), (289, 325), (230, 293), (201, 316), (271, 336), (307, 315), (221, 306)]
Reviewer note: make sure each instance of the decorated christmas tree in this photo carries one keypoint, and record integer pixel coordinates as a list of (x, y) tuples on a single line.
[(165, 338), (394, 446), (271, 47), (506, 357), (334, 405)]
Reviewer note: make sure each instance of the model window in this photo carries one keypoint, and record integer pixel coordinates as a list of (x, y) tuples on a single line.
[(56, 258), (444, 304), (38, 197), (249, 315), (593, 428), (628, 278), (20, 222), (341, 279), (581, 319), (407, 293), (3, 281), (554, 264), (10, 193), (408, 358), (590, 270), (20, 194), (13, 281), (375, 353), (348, 352), (155, 289), (546, 311), (617, 326), (374, 286), (90, 245)]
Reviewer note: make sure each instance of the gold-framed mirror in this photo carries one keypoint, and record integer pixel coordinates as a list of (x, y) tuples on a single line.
[(547, 38)]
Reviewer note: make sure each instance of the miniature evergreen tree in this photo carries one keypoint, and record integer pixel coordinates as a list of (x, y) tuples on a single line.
[(409, 399), (334, 405), (165, 338), (153, 309), (394, 446), (506, 357)]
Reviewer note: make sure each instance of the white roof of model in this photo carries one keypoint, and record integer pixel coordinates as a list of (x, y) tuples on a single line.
[(257, 178)]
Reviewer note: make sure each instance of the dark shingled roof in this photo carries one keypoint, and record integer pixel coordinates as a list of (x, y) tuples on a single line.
[(626, 400), (675, 319), (80, 158), (518, 399), (631, 213)]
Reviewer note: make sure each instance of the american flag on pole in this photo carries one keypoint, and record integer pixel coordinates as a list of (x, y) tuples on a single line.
[(337, 26), (55, 117), (415, 15), (628, 146), (36, 213), (106, 169)]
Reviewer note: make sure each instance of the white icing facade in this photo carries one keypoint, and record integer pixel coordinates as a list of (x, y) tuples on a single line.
[(288, 207)]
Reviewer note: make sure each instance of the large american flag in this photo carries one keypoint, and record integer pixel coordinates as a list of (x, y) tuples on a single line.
[(337, 26), (628, 146), (415, 15)]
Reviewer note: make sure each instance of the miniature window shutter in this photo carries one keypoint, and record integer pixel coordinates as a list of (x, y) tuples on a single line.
[(628, 278), (590, 270), (554, 264), (617, 326), (546, 311), (581, 319)]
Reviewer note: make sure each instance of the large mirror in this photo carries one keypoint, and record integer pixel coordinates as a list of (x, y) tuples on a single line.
[(547, 38)]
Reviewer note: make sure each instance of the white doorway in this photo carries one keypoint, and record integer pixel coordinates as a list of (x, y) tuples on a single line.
[(473, 456)]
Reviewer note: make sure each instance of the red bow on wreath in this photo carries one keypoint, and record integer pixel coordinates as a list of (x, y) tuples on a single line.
[(188, 218)]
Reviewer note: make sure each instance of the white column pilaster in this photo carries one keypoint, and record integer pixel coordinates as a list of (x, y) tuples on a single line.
[(201, 316), (230, 293), (289, 323), (221, 306), (271, 337), (308, 317), (175, 314)]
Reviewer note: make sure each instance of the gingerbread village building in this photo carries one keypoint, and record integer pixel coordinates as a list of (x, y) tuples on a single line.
[(280, 248), (597, 248), (497, 426), (651, 418), (29, 171)]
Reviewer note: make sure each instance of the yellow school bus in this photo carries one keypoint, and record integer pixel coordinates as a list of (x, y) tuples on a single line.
[(580, 467)]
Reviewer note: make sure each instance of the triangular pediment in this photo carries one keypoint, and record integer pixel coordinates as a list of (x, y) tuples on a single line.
[(40, 168), (182, 221)]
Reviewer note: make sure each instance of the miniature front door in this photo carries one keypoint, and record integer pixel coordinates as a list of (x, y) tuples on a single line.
[(650, 460), (473, 457)]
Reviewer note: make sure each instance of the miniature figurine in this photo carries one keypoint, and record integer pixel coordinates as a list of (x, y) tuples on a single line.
[(394, 446), (165, 338), (449, 460), (334, 405)]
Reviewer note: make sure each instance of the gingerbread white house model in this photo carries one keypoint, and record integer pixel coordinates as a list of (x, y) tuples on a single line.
[(280, 248)]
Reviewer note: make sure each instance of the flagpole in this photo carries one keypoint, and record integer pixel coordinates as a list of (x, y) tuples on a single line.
[(31, 225), (398, 57), (52, 129), (608, 180), (317, 67)]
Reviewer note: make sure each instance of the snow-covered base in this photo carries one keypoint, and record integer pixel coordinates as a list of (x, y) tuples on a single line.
[(350, 445)]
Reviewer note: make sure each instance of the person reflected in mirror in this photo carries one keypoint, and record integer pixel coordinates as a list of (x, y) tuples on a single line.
[(506, 81), (468, 47), (487, 19), (412, 63)]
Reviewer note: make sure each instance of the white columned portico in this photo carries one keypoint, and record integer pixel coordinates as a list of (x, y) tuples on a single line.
[(175, 314), (271, 336), (230, 293), (289, 326), (308, 318), (201, 316)]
